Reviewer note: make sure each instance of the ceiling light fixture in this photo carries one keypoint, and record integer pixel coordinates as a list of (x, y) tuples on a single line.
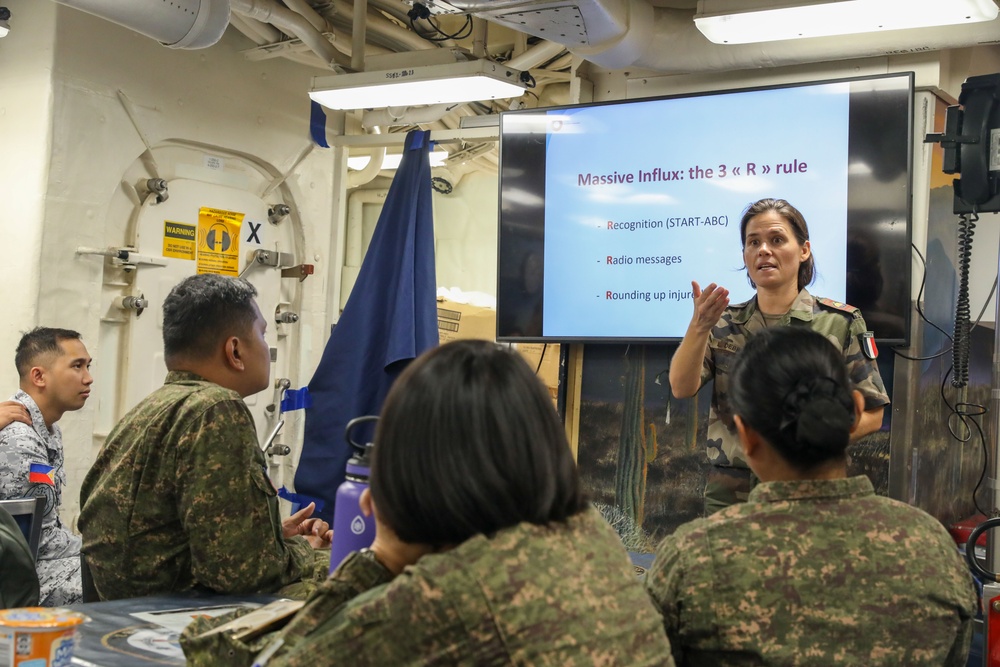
[(4, 21), (391, 160), (468, 81), (748, 21)]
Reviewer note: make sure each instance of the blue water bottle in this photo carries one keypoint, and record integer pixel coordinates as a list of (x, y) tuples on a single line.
[(352, 530)]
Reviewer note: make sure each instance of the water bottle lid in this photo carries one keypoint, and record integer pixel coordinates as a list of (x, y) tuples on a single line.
[(362, 451)]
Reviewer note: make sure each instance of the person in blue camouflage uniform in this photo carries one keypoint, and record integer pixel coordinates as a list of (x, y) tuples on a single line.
[(179, 496), (779, 263), (54, 370), (486, 552), (814, 569)]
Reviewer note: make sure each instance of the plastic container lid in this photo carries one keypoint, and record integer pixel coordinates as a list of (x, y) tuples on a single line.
[(40, 618)]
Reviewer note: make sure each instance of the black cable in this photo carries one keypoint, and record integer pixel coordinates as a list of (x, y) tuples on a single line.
[(960, 341), (920, 311), (420, 12), (541, 358), (965, 413)]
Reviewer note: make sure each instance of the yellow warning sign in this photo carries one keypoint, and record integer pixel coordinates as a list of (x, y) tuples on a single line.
[(178, 240), (219, 241)]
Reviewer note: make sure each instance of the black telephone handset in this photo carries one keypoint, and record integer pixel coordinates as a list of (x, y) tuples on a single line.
[(971, 143)]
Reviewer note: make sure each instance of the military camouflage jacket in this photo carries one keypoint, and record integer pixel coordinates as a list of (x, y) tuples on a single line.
[(530, 595), (179, 498), (814, 573), (840, 323), (31, 465)]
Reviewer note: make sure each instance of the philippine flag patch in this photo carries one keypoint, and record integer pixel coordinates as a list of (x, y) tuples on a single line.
[(40, 473), (867, 342)]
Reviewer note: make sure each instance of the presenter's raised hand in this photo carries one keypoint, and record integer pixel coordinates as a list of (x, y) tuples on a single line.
[(708, 306)]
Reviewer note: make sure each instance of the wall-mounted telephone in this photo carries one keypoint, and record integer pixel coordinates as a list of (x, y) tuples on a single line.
[(971, 142)]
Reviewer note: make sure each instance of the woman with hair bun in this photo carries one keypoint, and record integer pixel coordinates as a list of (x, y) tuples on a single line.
[(814, 569), (779, 262)]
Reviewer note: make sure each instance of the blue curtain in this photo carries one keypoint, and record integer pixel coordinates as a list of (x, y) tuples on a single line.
[(390, 318)]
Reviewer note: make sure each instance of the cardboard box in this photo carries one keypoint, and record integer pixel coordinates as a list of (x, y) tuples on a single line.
[(460, 320)]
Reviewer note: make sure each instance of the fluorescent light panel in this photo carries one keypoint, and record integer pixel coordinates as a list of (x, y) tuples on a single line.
[(435, 84), (748, 21), (391, 160)]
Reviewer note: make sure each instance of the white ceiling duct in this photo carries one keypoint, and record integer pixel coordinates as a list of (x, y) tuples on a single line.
[(179, 24), (618, 34)]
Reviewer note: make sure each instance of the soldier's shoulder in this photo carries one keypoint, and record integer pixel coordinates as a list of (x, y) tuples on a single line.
[(18, 431), (182, 398), (838, 306)]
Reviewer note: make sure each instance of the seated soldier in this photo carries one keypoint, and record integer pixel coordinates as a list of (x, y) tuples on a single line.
[(54, 370), (486, 552), (814, 569), (179, 496)]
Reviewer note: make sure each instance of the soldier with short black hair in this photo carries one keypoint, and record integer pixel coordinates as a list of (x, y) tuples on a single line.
[(179, 497), (54, 370)]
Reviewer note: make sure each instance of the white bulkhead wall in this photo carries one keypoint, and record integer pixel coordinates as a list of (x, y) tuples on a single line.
[(88, 112), (82, 123)]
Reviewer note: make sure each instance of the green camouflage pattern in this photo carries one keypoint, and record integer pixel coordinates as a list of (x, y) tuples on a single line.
[(818, 572), (563, 594), (179, 498), (840, 323)]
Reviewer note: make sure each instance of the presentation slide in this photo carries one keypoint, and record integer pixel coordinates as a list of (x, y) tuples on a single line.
[(643, 199)]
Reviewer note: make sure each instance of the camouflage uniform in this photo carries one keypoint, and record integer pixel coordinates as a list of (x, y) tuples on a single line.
[(530, 595), (840, 323), (58, 561), (179, 498), (818, 572)]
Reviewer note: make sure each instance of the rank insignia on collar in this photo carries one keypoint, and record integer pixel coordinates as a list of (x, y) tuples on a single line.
[(867, 342)]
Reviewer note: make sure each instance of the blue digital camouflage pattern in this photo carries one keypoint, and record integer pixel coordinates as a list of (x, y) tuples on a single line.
[(58, 561), (179, 498), (819, 572)]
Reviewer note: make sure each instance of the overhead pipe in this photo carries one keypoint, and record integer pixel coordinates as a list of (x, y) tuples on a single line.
[(408, 116), (305, 9), (537, 55), (376, 157), (292, 23), (180, 24), (257, 32), (359, 28), (394, 8)]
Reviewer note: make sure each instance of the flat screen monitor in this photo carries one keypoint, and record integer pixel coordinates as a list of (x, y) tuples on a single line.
[(609, 211)]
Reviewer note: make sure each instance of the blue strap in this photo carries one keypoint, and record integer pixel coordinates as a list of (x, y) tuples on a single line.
[(317, 125), (301, 500), (296, 399)]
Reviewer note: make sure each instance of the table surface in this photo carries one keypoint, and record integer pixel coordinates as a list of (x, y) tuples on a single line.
[(144, 631)]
